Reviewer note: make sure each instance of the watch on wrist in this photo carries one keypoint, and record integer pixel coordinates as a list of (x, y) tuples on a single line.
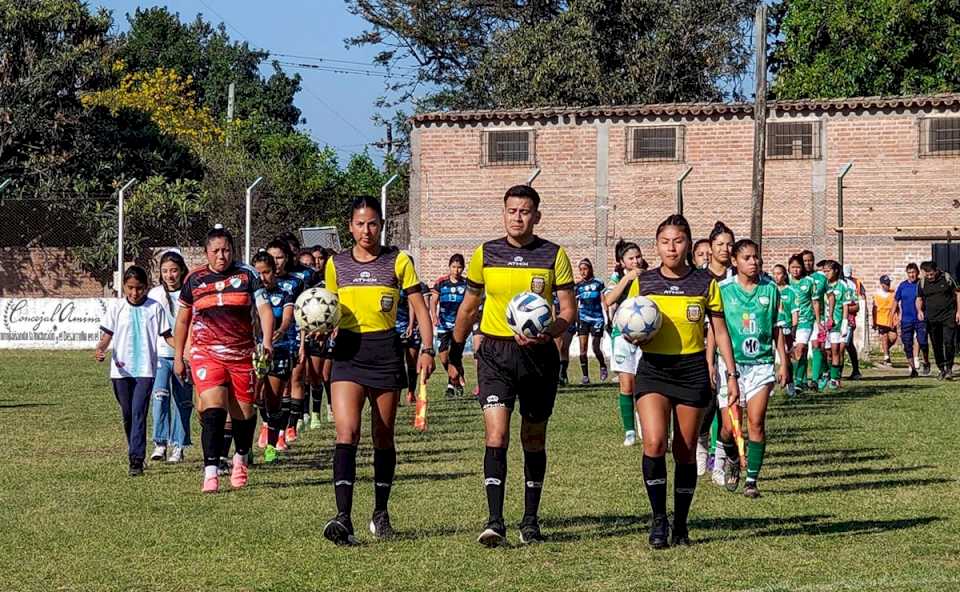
[(733, 375), (429, 351)]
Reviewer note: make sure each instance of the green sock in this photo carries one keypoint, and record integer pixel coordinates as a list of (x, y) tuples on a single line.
[(755, 452), (626, 413), (800, 373), (835, 372), (817, 364), (714, 433)]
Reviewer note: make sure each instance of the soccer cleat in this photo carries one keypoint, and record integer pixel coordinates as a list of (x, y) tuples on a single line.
[(530, 531), (630, 438), (680, 538), (855, 376), (262, 440), (791, 390), (720, 458), (176, 455), (563, 380), (886, 362), (731, 475), (314, 420), (380, 525), (702, 454), (941, 375), (925, 369), (450, 392), (339, 531), (238, 476), (211, 484), (136, 467), (833, 384), (948, 374), (914, 373), (823, 383), (299, 427), (270, 455), (411, 398), (282, 442), (159, 452), (604, 375), (224, 467), (291, 435), (494, 534), (304, 423), (459, 391), (585, 380), (660, 532), (711, 462), (750, 490)]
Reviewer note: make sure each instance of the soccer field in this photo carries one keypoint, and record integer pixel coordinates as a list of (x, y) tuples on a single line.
[(859, 494)]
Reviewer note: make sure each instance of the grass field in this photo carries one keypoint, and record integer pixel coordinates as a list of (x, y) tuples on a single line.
[(860, 493)]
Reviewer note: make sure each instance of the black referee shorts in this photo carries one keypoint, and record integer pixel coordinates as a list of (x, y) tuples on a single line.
[(507, 372)]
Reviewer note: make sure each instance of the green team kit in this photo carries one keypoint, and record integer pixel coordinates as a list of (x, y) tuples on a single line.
[(788, 306), (804, 290)]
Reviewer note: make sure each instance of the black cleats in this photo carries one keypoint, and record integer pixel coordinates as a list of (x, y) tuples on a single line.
[(530, 531), (380, 525), (494, 534), (339, 531), (660, 532)]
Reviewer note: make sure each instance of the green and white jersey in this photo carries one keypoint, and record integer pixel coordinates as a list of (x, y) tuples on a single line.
[(803, 291), (841, 296), (751, 318), (820, 290), (788, 305)]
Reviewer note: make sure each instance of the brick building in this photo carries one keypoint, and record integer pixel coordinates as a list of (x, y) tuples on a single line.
[(607, 172)]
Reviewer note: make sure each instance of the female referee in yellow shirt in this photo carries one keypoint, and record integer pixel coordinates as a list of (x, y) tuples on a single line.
[(672, 377), (368, 360)]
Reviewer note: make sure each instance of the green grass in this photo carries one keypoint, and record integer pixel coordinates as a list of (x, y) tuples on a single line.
[(859, 493)]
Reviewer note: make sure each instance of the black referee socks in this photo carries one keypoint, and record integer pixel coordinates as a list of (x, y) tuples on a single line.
[(384, 468), (211, 435), (296, 412), (494, 479), (344, 475), (684, 486), (655, 479), (534, 470)]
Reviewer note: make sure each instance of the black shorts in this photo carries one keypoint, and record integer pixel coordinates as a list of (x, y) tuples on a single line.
[(444, 338), (682, 378), (412, 342), (315, 349), (594, 328), (884, 330), (281, 366), (369, 359), (507, 372)]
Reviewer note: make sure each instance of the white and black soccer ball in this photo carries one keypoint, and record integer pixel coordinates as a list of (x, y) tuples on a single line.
[(317, 309), (529, 314), (638, 319)]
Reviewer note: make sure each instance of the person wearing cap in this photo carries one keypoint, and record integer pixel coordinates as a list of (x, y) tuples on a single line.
[(884, 315), (855, 289)]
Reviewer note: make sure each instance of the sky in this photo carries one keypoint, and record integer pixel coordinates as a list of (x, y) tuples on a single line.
[(338, 107)]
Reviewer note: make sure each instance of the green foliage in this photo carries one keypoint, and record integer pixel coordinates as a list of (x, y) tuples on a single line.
[(843, 48)]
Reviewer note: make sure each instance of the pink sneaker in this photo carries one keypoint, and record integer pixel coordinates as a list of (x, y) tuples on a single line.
[(291, 434), (238, 476), (262, 441), (211, 485), (282, 442)]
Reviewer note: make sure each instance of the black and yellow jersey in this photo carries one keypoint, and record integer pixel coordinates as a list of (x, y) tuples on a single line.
[(369, 292), (684, 304), (503, 271)]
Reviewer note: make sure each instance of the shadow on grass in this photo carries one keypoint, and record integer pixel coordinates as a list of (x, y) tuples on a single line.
[(822, 452), (806, 525), (25, 405), (838, 473), (886, 484), (847, 459)]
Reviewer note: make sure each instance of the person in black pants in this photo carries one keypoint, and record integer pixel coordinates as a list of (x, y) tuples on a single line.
[(938, 305)]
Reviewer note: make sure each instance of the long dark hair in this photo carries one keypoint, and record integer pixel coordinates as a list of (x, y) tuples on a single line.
[(680, 222), (798, 258), (620, 249), (176, 258), (263, 256), (279, 243)]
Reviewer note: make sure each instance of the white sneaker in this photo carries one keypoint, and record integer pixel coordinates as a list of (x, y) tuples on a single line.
[(176, 455), (159, 452), (630, 438), (719, 457), (702, 454), (306, 422)]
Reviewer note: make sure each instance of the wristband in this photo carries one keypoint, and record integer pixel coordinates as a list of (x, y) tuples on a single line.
[(455, 355), (429, 351)]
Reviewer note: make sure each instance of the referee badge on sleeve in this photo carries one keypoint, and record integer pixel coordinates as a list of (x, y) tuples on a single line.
[(386, 303), (537, 284)]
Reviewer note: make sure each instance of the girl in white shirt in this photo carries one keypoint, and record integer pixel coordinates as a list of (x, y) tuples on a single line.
[(172, 398)]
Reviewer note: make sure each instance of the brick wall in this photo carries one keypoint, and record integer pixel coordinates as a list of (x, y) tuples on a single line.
[(456, 202)]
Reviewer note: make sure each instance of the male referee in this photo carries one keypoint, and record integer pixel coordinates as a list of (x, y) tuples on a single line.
[(512, 368)]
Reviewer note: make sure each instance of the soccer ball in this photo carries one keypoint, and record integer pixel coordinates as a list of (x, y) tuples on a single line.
[(317, 309), (528, 314), (638, 320)]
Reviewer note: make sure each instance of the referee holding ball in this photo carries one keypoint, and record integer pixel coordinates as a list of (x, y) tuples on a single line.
[(512, 368)]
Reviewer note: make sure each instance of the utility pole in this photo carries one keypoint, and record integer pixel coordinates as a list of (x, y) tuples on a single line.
[(759, 124), (230, 102), (389, 139)]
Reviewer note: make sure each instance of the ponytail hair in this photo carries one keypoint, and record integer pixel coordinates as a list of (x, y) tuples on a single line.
[(263, 256), (680, 222), (719, 229), (745, 243), (176, 258)]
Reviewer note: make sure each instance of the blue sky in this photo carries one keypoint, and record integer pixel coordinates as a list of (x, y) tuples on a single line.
[(337, 107)]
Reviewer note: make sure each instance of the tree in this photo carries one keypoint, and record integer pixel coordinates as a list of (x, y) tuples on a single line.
[(158, 39), (844, 48)]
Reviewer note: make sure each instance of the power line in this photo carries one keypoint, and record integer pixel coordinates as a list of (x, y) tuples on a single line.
[(345, 70), (337, 61)]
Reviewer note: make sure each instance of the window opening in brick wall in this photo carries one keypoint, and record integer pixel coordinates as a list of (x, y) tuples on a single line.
[(506, 148), (793, 140), (940, 136), (650, 144)]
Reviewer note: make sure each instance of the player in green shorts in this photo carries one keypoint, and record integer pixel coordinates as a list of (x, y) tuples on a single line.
[(837, 320), (803, 289), (751, 307), (787, 319), (819, 336)]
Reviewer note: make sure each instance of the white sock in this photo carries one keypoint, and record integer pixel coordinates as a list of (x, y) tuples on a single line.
[(240, 458), (209, 471)]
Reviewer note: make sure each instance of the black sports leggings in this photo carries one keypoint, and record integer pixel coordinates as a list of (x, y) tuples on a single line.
[(942, 336)]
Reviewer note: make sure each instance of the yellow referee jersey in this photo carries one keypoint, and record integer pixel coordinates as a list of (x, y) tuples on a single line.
[(369, 292), (684, 304), (503, 271)]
